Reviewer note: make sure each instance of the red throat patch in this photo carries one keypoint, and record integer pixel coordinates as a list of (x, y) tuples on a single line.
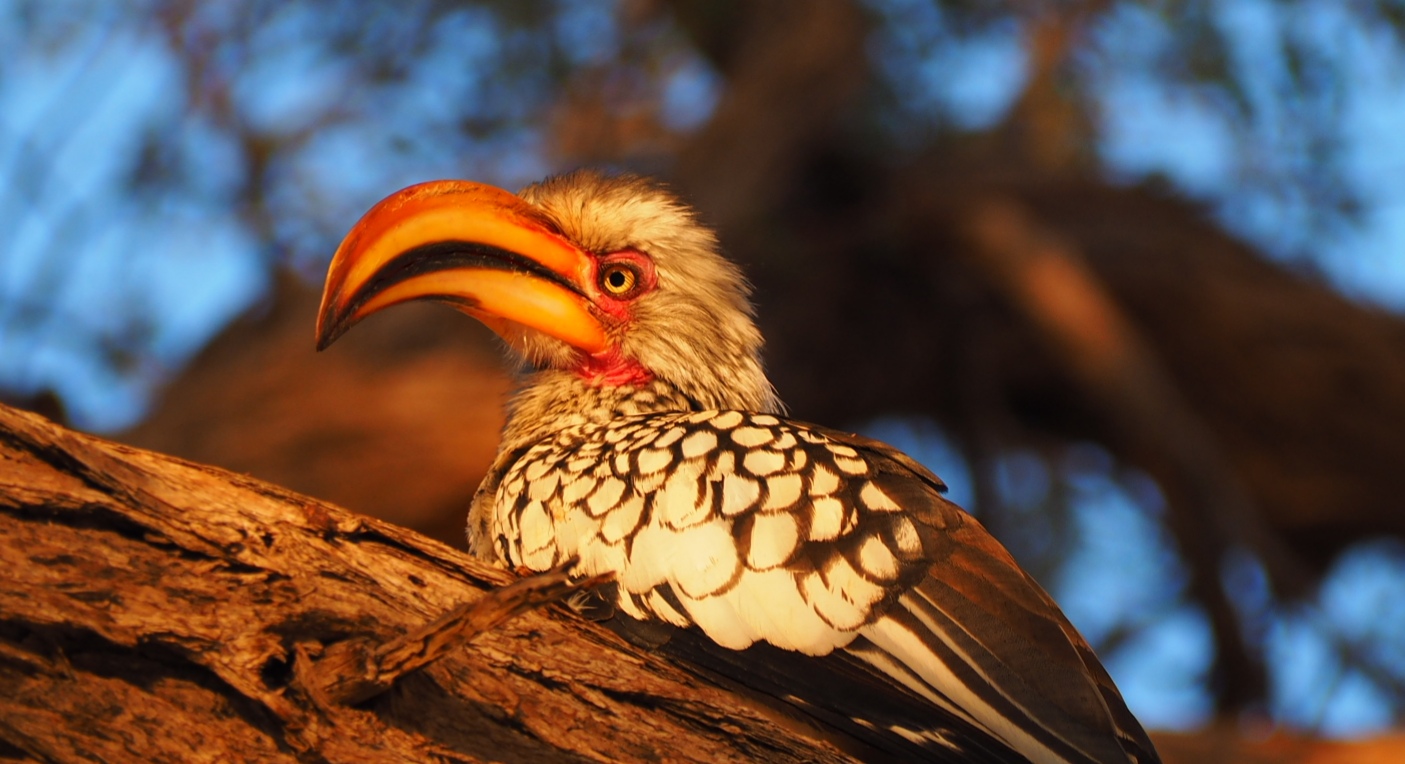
[(613, 369)]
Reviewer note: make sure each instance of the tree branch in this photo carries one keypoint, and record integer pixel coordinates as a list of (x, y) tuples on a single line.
[(157, 609)]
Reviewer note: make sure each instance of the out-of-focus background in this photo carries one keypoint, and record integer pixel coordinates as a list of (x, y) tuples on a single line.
[(1127, 274)]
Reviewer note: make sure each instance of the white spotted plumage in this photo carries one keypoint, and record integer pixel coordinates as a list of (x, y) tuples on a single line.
[(717, 525)]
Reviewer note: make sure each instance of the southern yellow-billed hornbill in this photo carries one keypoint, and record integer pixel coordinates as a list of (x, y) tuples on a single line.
[(647, 441)]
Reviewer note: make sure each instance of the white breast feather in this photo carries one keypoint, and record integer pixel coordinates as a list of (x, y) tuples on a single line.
[(675, 529)]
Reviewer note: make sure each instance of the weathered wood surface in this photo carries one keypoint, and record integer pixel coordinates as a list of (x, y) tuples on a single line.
[(159, 610)]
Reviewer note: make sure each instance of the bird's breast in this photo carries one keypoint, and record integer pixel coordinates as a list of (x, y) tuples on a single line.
[(746, 525)]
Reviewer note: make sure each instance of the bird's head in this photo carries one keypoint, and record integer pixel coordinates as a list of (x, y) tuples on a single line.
[(611, 279)]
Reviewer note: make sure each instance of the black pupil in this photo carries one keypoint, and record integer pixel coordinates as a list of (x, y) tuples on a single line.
[(618, 279)]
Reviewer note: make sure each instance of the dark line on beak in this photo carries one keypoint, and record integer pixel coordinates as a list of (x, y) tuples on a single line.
[(446, 255), (440, 256)]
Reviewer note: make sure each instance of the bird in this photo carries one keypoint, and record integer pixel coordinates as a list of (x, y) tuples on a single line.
[(645, 441)]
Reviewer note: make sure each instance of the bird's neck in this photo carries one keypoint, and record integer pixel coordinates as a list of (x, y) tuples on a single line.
[(551, 400)]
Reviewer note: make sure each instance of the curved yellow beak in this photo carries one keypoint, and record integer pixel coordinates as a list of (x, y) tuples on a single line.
[(477, 247)]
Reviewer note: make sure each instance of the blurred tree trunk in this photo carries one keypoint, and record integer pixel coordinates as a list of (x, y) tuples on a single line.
[(419, 395)]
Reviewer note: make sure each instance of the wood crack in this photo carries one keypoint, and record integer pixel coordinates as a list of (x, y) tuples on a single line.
[(354, 671)]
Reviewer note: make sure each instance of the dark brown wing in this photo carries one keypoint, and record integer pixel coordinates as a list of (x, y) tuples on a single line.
[(838, 697), (979, 632)]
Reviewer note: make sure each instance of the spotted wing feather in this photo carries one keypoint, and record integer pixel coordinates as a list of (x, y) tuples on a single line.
[(748, 526)]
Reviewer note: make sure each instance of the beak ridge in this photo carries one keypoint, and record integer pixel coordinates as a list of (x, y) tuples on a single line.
[(479, 248)]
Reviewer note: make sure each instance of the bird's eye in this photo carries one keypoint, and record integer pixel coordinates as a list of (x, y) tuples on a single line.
[(619, 279)]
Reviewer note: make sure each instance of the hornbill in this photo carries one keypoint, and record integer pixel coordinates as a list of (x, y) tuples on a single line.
[(819, 567)]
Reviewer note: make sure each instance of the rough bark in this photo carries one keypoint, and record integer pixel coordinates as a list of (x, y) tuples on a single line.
[(160, 610)]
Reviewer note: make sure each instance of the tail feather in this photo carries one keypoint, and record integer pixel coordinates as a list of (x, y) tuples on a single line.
[(964, 667)]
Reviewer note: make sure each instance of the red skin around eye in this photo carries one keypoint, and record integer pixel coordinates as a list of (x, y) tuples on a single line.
[(616, 308), (611, 367)]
